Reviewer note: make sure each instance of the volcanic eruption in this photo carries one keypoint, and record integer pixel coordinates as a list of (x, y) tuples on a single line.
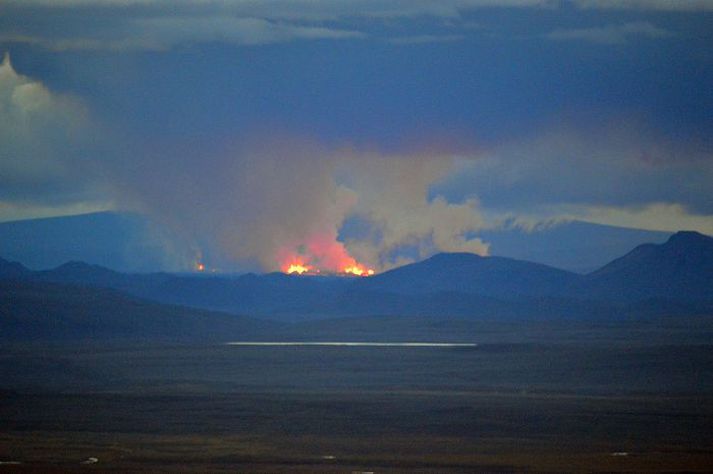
[(320, 254)]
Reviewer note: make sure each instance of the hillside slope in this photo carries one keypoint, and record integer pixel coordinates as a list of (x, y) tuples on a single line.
[(42, 311), (681, 268)]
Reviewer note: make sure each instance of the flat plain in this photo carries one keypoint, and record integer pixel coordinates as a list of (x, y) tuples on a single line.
[(627, 396)]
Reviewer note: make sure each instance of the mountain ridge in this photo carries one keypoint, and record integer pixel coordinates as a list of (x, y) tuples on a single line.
[(471, 273), (130, 242), (681, 267), (678, 273)]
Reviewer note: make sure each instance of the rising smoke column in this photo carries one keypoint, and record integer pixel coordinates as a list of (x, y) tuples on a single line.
[(273, 202)]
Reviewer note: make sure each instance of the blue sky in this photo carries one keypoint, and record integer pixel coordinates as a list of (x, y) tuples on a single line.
[(247, 126)]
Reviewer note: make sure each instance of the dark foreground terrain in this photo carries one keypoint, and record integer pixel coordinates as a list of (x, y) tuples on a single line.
[(536, 397)]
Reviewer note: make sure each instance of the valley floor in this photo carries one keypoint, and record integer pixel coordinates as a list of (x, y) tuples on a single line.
[(377, 432), (551, 397)]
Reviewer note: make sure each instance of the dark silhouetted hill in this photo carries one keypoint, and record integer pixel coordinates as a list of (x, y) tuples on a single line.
[(12, 269), (671, 278), (121, 241), (497, 277), (47, 311), (571, 245), (81, 273), (681, 268)]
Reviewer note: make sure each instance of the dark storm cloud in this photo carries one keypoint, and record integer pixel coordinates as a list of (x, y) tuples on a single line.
[(126, 25), (249, 126), (617, 163)]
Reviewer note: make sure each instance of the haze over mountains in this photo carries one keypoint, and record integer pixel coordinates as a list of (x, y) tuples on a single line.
[(672, 278), (121, 241), (130, 243)]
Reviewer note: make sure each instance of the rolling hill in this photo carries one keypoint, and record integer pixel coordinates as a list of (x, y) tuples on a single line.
[(497, 277), (41, 311), (670, 278), (681, 268)]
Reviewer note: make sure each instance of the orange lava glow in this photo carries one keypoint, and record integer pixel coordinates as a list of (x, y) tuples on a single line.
[(297, 264), (297, 268), (358, 270), (321, 253)]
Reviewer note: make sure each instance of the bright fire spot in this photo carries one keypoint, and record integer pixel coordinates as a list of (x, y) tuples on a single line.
[(297, 264), (297, 268), (358, 270), (320, 253), (200, 267)]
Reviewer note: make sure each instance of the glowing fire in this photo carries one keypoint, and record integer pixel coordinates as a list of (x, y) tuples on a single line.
[(297, 264), (352, 267), (200, 267), (358, 270), (321, 253), (298, 268)]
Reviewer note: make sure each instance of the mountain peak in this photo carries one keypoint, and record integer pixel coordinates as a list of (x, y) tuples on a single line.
[(75, 264), (12, 269), (453, 256), (77, 267), (681, 268), (689, 237)]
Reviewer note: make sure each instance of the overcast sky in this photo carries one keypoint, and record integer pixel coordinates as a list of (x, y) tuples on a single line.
[(248, 126)]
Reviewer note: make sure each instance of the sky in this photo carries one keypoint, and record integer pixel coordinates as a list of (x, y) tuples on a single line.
[(373, 130)]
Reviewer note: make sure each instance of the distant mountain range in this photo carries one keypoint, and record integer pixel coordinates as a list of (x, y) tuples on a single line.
[(675, 277), (131, 243), (577, 246), (680, 269), (121, 241)]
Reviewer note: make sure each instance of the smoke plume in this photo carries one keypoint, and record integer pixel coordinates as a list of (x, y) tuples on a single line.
[(259, 202)]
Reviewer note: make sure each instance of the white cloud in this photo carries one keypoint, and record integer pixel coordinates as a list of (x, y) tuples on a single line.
[(424, 39), (615, 172), (123, 25), (611, 34), (386, 8), (615, 164), (28, 113), (303, 9), (656, 216), (662, 5), (393, 195), (42, 138), (164, 32), (126, 25), (170, 31), (668, 217), (13, 211)]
